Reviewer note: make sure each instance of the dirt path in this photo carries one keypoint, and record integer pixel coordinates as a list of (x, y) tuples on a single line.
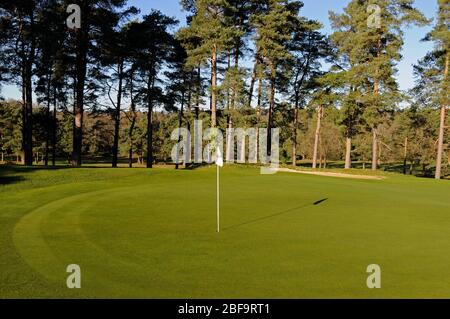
[(340, 175)]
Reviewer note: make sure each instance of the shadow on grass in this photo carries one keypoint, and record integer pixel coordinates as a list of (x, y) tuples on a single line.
[(253, 221), (192, 167), (10, 174), (6, 180)]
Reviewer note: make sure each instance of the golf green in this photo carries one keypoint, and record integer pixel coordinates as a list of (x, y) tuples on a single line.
[(152, 234)]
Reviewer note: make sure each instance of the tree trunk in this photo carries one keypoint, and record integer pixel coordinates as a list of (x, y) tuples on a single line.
[(27, 60), (253, 79), (348, 153), (376, 89), (54, 123), (233, 102), (180, 123), (440, 147), (252, 85), (379, 154), (405, 155), (294, 138), (199, 87), (374, 149), (317, 136), (438, 174), (270, 117), (48, 121), (150, 86), (259, 101), (117, 115), (228, 89), (80, 62), (133, 122), (214, 87), (27, 116)]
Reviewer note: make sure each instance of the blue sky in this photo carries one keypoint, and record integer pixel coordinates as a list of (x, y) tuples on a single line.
[(413, 50)]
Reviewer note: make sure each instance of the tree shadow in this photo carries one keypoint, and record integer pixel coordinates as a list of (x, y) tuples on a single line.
[(28, 169), (192, 167), (10, 174), (256, 220), (6, 180)]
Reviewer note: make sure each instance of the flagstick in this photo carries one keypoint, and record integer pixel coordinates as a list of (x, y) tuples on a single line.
[(218, 201)]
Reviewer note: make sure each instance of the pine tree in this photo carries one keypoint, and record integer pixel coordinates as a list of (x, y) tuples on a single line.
[(432, 73), (209, 29), (309, 47), (370, 54), (153, 48), (274, 26), (94, 16), (50, 68), (384, 44), (18, 26), (181, 80), (115, 53), (347, 71)]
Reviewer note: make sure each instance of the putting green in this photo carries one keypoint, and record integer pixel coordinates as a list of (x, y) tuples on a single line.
[(152, 234)]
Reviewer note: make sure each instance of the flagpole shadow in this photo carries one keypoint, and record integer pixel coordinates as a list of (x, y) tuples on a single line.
[(253, 221)]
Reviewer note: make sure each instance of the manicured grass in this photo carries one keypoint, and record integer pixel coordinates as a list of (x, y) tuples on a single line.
[(151, 234)]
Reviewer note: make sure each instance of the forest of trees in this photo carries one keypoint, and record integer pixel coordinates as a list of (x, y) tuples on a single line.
[(115, 88)]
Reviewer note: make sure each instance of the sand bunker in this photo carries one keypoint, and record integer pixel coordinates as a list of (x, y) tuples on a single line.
[(330, 174)]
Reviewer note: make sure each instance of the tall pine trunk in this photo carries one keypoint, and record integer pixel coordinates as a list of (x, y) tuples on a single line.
[(376, 88), (270, 117), (294, 137), (228, 89), (213, 87), (78, 112), (252, 84), (259, 100), (133, 122), (150, 85), (317, 136), (48, 121), (117, 115), (348, 152), (27, 59), (180, 123), (27, 116), (54, 123), (253, 79), (295, 121), (374, 149), (440, 151), (233, 102), (199, 87), (236, 67), (405, 155)]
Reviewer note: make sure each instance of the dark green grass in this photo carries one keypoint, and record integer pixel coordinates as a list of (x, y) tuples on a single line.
[(140, 233)]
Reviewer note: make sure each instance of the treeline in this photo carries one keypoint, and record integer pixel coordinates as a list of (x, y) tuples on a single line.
[(407, 138), (122, 81)]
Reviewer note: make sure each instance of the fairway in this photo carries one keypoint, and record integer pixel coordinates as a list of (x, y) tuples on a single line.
[(151, 234)]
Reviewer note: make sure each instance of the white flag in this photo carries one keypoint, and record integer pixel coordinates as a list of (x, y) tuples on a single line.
[(219, 157)]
